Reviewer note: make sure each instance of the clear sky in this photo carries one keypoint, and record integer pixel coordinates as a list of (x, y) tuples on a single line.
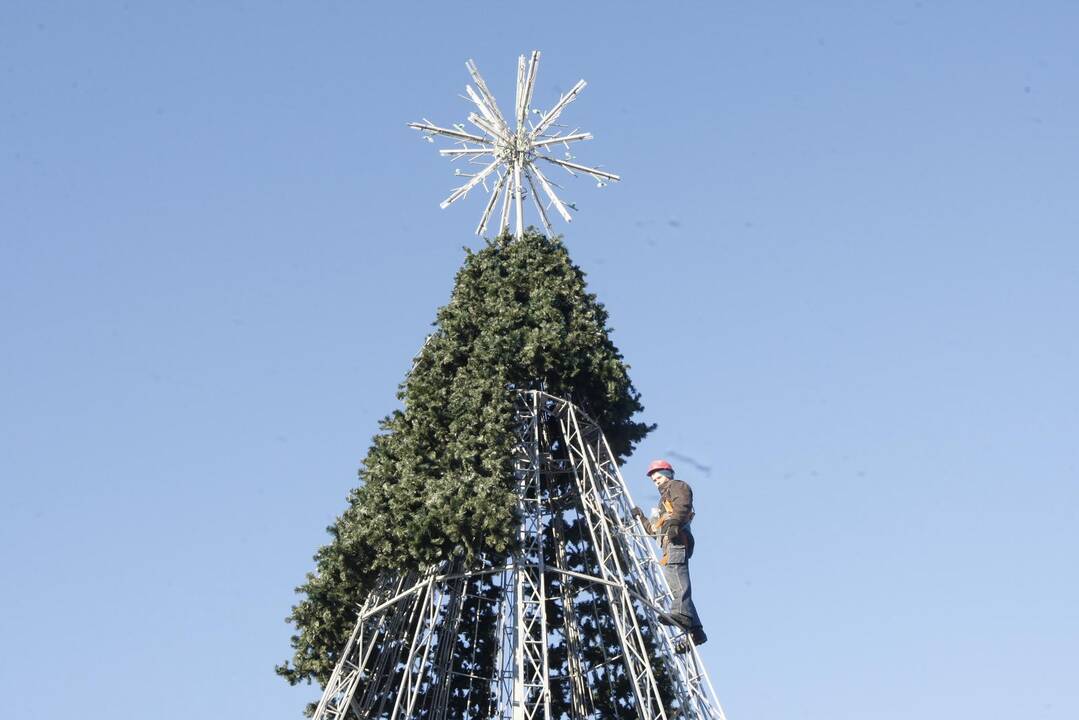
[(842, 263)]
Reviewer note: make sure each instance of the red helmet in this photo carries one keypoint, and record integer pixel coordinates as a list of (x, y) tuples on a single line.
[(658, 465)]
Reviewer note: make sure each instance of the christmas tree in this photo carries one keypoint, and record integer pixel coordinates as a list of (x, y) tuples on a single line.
[(438, 482)]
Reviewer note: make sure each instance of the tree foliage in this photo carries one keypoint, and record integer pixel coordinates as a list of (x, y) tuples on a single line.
[(437, 481)]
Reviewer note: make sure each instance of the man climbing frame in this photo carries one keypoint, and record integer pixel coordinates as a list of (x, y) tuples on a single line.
[(673, 530)]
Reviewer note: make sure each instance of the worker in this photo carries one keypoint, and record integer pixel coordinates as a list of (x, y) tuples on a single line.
[(676, 539)]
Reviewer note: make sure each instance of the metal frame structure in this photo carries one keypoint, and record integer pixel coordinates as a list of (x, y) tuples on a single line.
[(506, 153), (408, 651)]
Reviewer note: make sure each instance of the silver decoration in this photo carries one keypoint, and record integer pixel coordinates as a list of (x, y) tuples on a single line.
[(508, 156)]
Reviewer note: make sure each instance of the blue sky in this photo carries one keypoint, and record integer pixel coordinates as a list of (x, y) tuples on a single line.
[(842, 264)]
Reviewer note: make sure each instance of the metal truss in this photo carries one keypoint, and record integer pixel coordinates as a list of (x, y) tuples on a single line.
[(566, 626)]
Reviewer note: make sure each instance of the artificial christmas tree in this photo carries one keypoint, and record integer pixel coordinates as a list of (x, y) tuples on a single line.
[(492, 542)]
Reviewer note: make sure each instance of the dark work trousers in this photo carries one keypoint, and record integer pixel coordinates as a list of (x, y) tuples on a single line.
[(677, 573)]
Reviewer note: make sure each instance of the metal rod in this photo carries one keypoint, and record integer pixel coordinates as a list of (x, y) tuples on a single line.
[(530, 85), (562, 139), (487, 95), (517, 190), (490, 205), (559, 106), (551, 194), (595, 172), (466, 151), (463, 190), (537, 203), (460, 135)]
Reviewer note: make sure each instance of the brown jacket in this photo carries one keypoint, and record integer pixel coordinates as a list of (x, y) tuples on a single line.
[(676, 508)]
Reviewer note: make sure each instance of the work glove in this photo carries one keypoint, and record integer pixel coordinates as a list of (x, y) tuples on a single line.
[(639, 514)]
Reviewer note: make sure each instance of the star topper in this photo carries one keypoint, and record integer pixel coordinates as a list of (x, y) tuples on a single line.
[(509, 156)]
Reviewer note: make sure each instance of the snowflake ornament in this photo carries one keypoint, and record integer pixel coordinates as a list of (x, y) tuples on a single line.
[(510, 156)]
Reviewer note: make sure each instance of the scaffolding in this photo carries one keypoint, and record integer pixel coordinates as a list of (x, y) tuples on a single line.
[(565, 626)]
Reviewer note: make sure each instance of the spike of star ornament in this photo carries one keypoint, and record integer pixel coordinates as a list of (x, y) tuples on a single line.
[(509, 157)]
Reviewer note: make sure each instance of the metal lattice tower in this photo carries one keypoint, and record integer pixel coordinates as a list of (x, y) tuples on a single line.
[(564, 627)]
